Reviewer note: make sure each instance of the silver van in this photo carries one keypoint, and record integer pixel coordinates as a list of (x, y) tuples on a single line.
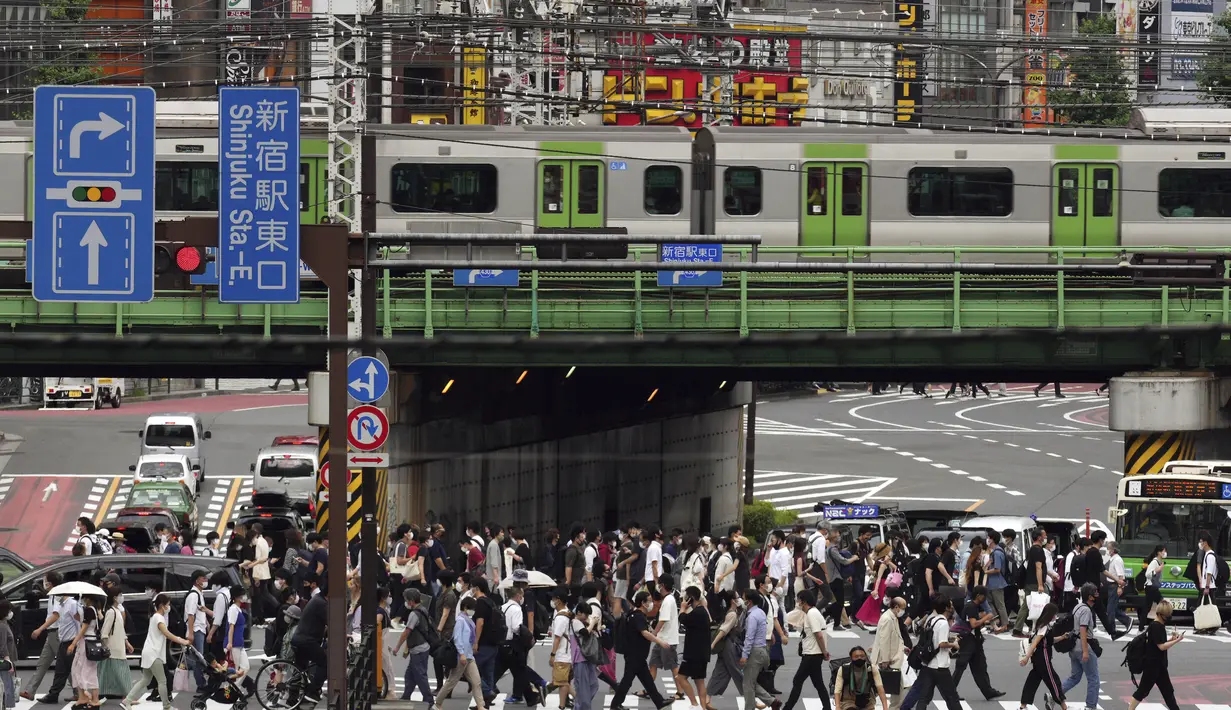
[(287, 470), (175, 434)]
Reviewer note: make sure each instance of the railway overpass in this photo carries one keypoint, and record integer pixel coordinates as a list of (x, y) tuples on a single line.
[(603, 396)]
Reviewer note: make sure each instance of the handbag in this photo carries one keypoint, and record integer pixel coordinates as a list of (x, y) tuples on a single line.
[(893, 581), (182, 683), (721, 646), (1206, 615), (891, 680), (1035, 601), (95, 650)]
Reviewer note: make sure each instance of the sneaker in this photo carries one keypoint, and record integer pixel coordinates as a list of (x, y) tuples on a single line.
[(48, 700), (996, 694), (1129, 629)]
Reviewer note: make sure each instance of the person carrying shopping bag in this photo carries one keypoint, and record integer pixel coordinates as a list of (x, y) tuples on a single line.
[(153, 653)]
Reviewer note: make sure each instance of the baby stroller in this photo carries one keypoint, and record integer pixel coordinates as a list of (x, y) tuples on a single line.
[(220, 685)]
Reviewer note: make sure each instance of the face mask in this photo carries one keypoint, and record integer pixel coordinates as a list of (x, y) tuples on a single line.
[(860, 662), (1162, 555), (470, 613), (457, 586), (901, 613), (739, 603), (279, 584)]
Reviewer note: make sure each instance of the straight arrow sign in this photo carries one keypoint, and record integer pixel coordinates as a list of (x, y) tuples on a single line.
[(93, 240)]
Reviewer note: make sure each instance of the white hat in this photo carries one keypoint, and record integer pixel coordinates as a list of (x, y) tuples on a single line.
[(104, 532)]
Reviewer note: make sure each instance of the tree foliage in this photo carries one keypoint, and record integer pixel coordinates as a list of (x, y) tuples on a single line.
[(70, 65), (1097, 93), (1214, 76), (761, 518)]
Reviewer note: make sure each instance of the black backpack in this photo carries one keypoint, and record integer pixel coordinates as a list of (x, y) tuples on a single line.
[(608, 635), (426, 629), (1064, 625), (925, 648), (1135, 654), (1077, 569), (499, 628), (599, 568), (446, 654), (711, 568), (1222, 573), (619, 633)]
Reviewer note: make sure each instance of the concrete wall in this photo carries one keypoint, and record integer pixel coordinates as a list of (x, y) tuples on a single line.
[(566, 460)]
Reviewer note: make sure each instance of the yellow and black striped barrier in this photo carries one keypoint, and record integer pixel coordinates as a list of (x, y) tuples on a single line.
[(354, 497), (1147, 452)]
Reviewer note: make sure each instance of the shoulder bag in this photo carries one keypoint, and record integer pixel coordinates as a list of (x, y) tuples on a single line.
[(95, 649)]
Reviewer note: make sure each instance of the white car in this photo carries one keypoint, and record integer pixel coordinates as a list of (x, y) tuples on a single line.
[(167, 467)]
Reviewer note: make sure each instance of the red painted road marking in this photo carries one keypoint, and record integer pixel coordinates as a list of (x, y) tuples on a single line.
[(34, 529), (201, 405)]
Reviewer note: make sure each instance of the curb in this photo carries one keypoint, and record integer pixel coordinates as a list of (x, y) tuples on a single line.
[(181, 394)]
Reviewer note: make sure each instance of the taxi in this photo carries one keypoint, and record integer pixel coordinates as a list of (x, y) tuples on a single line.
[(167, 467), (171, 496)]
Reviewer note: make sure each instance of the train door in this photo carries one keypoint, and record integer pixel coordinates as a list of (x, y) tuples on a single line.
[(1085, 205), (835, 205), (571, 193)]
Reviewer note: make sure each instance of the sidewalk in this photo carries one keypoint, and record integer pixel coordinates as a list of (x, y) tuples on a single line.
[(158, 396)]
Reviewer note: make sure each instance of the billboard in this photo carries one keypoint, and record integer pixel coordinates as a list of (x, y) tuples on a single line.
[(768, 72), (1034, 86), (908, 69), (1148, 21)]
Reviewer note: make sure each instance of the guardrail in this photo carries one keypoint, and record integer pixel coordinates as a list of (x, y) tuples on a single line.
[(747, 302)]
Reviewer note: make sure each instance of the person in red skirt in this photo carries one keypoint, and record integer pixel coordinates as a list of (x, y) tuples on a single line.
[(885, 575)]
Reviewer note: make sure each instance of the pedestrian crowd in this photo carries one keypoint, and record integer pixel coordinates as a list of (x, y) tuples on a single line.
[(706, 613)]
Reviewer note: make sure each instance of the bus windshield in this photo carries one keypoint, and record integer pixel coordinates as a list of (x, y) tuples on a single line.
[(1176, 525)]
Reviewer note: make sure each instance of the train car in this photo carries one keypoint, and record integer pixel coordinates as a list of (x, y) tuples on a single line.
[(511, 180), (833, 187)]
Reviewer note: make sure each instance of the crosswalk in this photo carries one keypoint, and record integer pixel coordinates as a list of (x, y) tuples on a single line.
[(793, 490), (106, 498), (772, 427)]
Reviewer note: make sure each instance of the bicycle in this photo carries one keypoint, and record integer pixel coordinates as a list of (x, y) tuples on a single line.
[(281, 685)]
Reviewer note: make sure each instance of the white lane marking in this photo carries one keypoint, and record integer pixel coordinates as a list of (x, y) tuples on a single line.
[(887, 448), (1054, 455), (1096, 466), (1015, 493), (980, 479), (955, 426), (1016, 446), (905, 453), (1059, 426), (854, 412), (922, 459), (270, 406), (926, 500), (941, 466), (961, 414), (1031, 448), (1073, 460), (997, 486), (853, 439), (959, 472), (1069, 416), (843, 425)]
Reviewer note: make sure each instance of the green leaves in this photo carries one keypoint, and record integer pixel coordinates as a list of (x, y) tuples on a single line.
[(1097, 89), (1214, 76), (66, 66)]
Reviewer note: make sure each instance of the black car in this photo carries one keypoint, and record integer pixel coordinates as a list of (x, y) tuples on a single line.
[(275, 522), (171, 573), (12, 564), (138, 528)]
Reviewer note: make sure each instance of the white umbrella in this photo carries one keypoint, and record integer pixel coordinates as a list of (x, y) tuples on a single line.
[(531, 578), (73, 589)]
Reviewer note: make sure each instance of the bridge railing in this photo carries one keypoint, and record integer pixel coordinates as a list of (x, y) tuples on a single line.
[(746, 302)]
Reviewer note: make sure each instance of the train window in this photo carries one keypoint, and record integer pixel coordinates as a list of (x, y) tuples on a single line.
[(852, 191), (818, 186), (1104, 191), (1066, 205), (960, 192), (741, 191), (1194, 192), (443, 187), (305, 182), (186, 187), (553, 189), (664, 189), (587, 189)]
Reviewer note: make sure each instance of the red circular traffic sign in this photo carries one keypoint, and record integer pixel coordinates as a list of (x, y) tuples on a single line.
[(367, 428), (325, 476)]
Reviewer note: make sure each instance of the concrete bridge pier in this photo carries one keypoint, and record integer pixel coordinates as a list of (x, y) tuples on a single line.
[(1171, 416)]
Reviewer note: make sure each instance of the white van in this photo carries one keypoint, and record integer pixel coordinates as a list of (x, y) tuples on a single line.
[(175, 434), (289, 470)]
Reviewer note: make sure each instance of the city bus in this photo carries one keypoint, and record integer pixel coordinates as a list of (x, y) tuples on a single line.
[(1171, 508)]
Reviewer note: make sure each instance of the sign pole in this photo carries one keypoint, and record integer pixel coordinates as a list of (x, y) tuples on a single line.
[(337, 494)]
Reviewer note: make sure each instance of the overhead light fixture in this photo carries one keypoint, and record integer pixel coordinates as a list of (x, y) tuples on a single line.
[(448, 385), (570, 372), (723, 385), (652, 395), (522, 376)]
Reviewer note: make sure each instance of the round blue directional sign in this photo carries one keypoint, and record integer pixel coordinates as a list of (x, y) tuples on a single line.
[(367, 379)]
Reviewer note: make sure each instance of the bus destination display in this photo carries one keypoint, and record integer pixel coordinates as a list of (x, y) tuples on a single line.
[(1149, 487)]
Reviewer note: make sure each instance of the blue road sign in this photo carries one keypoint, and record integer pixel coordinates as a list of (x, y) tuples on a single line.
[(367, 379), (258, 248), (486, 277), (693, 254), (841, 512), (209, 277), (93, 194), (29, 260)]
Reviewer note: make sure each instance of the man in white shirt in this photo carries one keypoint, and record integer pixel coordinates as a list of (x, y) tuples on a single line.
[(814, 652), (1114, 588), (590, 554), (779, 563), (216, 638), (935, 674), (516, 657), (668, 629), (816, 541), (561, 648), (653, 557), (196, 618)]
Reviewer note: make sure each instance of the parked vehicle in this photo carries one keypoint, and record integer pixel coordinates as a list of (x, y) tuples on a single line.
[(170, 573), (175, 434), (13, 564), (82, 392), (289, 470), (137, 526)]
